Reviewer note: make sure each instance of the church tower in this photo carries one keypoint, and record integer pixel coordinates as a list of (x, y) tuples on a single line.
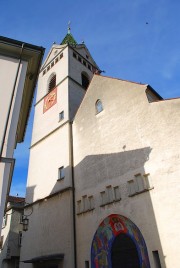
[(63, 81)]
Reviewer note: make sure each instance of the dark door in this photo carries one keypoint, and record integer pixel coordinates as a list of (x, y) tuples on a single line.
[(124, 253)]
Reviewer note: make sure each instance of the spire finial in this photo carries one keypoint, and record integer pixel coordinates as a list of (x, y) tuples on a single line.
[(69, 28)]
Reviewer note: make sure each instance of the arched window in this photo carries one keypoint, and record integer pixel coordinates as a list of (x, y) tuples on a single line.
[(85, 80), (99, 106), (52, 82)]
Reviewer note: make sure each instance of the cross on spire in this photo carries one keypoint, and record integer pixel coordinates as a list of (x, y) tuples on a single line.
[(69, 28)]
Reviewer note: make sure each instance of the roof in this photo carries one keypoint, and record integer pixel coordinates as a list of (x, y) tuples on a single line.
[(41, 259), (69, 39), (15, 199), (33, 56)]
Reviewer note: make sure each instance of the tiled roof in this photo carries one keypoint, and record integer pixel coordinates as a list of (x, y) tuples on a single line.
[(15, 199), (69, 39)]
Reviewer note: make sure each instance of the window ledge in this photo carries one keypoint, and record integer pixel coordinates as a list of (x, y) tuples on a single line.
[(83, 212), (140, 192), (111, 202)]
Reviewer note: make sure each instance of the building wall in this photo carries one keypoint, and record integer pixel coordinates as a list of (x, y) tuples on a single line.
[(50, 230), (129, 137), (9, 67), (11, 246)]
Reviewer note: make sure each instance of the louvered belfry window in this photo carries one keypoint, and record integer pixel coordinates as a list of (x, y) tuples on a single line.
[(52, 83)]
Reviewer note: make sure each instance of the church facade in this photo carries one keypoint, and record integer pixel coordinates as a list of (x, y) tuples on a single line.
[(102, 186)]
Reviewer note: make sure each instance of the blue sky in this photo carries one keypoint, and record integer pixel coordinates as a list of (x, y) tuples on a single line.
[(137, 40)]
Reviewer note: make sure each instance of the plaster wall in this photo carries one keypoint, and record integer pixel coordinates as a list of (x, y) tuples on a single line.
[(45, 123), (76, 67), (60, 68), (45, 159), (129, 137), (50, 230), (9, 67)]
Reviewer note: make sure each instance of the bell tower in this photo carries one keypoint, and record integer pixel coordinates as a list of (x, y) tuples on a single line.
[(63, 80)]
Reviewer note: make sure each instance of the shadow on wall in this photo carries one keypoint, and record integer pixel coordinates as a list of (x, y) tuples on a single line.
[(93, 175), (98, 174)]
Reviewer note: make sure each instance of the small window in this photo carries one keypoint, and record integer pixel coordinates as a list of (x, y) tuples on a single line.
[(52, 83), (1, 242), (56, 60), (61, 173), (52, 64), (74, 55), (87, 57), (89, 67), (85, 80), (110, 194), (4, 221), (86, 264), (61, 115), (131, 187), (91, 202), (117, 195), (79, 59), (44, 72), (103, 198), (61, 55), (99, 107), (48, 68), (79, 207), (156, 259), (84, 62), (85, 203)]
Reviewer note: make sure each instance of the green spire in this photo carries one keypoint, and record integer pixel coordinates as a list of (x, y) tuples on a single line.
[(69, 39)]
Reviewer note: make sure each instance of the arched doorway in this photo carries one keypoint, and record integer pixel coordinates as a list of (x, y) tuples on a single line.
[(124, 253), (118, 243)]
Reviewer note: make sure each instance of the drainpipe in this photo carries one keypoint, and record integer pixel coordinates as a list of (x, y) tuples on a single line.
[(73, 197)]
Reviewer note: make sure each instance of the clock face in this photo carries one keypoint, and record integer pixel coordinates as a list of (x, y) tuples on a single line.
[(50, 100)]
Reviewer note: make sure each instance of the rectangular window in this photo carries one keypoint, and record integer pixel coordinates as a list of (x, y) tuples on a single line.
[(61, 55), (61, 173), (61, 115), (4, 221), (48, 68), (86, 264), (79, 207), (147, 181), (91, 202), (109, 194), (74, 55), (103, 198), (1, 242), (84, 62), (56, 60), (79, 58), (117, 195), (44, 72), (52, 64), (156, 258), (85, 203), (89, 66), (131, 187), (139, 182)]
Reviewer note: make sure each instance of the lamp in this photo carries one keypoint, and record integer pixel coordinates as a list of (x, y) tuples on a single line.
[(25, 223)]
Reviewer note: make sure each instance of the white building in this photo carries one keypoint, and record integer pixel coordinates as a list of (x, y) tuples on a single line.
[(19, 65), (11, 233), (103, 171)]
